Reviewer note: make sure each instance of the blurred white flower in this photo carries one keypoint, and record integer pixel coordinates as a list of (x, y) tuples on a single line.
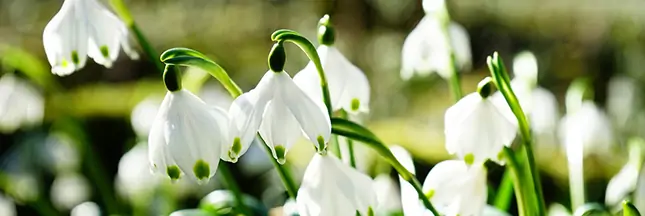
[(331, 187), (456, 188), (434, 7), (7, 207), (86, 209), (585, 131), (409, 199), (387, 194), (478, 128), (84, 28), (143, 115), (134, 178), (187, 137), (20, 104), (427, 50), (557, 209), (69, 190), (492, 211), (623, 183), (60, 154), (525, 67), (623, 100), (282, 111), (349, 89), (215, 95), (190, 212)]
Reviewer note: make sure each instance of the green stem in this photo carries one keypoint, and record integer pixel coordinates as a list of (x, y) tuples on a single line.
[(335, 146), (231, 184), (502, 81), (505, 191), (285, 175), (308, 48), (126, 16), (455, 85), (350, 143), (513, 167)]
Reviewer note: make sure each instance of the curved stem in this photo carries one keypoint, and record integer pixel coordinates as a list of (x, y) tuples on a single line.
[(308, 48), (349, 142), (515, 171), (229, 180), (126, 17), (502, 81)]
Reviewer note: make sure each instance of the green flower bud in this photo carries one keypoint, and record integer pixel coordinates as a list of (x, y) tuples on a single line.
[(277, 57)]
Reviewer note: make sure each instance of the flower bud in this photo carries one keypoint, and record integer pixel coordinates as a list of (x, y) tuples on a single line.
[(277, 57)]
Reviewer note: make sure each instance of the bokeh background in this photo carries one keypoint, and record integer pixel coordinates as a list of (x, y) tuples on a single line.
[(90, 111)]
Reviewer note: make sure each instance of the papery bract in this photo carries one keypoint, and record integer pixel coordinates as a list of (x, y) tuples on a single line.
[(282, 112), (187, 136), (84, 28), (349, 89), (478, 128), (331, 187), (456, 188), (20, 104)]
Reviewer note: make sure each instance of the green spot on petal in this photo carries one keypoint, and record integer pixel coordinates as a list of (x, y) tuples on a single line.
[(281, 154), (355, 104), (201, 169), (235, 150), (469, 159), (64, 63), (370, 211), (75, 58), (173, 172), (500, 156), (105, 51), (430, 193), (322, 148)]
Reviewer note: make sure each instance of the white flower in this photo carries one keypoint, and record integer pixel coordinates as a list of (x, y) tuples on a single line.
[(80, 28), (187, 136), (455, 188), (133, 176), (143, 115), (86, 209), (7, 207), (557, 209), (585, 131), (478, 128), (492, 211), (69, 190), (349, 89), (387, 194), (525, 67), (282, 111), (331, 187), (20, 104), (427, 50), (623, 101), (409, 199), (60, 153), (623, 183)]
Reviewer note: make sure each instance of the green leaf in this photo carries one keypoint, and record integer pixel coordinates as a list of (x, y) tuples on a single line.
[(629, 209)]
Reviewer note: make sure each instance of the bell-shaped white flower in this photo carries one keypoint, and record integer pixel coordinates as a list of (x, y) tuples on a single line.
[(331, 187), (477, 128), (7, 206), (60, 154), (86, 209), (525, 67), (427, 49), (20, 104), (69, 190), (456, 188), (84, 28), (623, 183), (283, 113), (409, 199), (133, 179), (349, 89), (187, 136), (557, 209), (387, 194), (586, 130), (143, 115), (624, 99)]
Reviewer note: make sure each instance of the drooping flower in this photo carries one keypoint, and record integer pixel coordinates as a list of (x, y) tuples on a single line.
[(428, 49), (143, 115), (624, 102), (187, 136), (331, 187), (623, 183), (84, 28), (69, 190), (477, 127), (456, 188), (283, 113), (86, 209), (409, 199), (586, 130), (387, 194), (20, 104), (349, 89)]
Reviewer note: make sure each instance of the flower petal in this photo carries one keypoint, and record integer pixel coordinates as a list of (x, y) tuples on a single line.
[(347, 82), (279, 128), (65, 39), (105, 31)]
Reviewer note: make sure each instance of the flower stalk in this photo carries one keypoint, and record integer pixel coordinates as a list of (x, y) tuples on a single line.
[(125, 15), (349, 142), (502, 82)]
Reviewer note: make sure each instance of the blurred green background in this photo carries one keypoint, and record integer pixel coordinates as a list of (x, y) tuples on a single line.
[(571, 39)]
